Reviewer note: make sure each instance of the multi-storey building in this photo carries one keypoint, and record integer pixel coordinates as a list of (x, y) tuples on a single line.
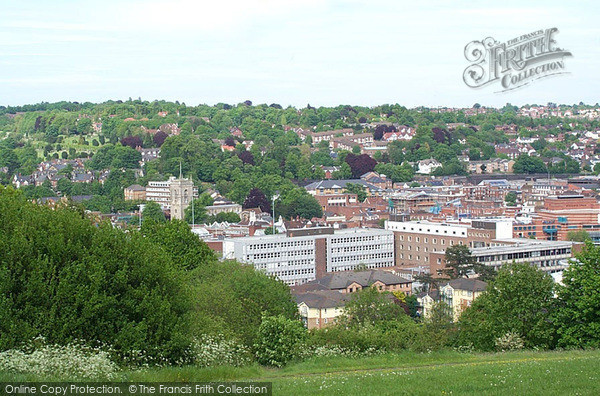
[(160, 192), (549, 256), (175, 194), (560, 215), (415, 241), (458, 294), (306, 254), (135, 192)]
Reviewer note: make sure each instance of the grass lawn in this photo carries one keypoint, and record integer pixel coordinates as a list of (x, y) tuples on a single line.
[(68, 142), (438, 373)]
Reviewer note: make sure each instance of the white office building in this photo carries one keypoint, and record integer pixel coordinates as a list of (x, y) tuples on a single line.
[(305, 254)]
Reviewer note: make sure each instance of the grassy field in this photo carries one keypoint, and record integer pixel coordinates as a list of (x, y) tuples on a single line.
[(441, 373), (438, 373), (68, 142)]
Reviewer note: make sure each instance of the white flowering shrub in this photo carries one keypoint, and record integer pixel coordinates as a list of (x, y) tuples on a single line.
[(69, 362), (510, 341), (219, 351), (336, 350)]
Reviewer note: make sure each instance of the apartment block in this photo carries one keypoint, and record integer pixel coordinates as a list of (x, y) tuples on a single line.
[(302, 255)]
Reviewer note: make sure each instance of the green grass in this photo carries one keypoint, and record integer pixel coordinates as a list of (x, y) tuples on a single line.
[(68, 142), (437, 373)]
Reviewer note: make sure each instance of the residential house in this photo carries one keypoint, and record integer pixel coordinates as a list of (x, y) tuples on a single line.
[(426, 167), (321, 308)]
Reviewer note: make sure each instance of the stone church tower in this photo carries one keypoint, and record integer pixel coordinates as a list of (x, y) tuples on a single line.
[(182, 193)]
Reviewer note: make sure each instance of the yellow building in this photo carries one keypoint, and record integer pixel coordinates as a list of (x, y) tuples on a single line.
[(458, 294), (321, 308)]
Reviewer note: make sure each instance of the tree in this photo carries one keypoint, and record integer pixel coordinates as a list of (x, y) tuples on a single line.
[(256, 199), (378, 133), (370, 307), (579, 236), (198, 210), (175, 237), (302, 205), (511, 198), (230, 141), (459, 261), (578, 316), (428, 281), (360, 164), (153, 212), (230, 217), (159, 138), (526, 164), (112, 287), (247, 157), (519, 300), (132, 141), (358, 189)]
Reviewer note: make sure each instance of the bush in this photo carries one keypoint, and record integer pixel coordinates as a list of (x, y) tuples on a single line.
[(336, 351), (69, 362), (279, 340), (218, 351), (510, 341), (393, 335)]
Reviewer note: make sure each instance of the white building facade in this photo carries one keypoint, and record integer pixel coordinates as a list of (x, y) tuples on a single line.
[(306, 254)]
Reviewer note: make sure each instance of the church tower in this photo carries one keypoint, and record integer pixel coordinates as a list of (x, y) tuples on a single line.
[(182, 193)]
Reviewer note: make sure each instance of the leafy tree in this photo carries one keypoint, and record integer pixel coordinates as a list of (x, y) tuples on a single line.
[(199, 208), (153, 212), (187, 250), (111, 156), (519, 300), (247, 157), (459, 261), (428, 281), (511, 198), (526, 164), (67, 279), (298, 203), (360, 164), (358, 189), (132, 141), (578, 316), (579, 236), (256, 199), (9, 159), (370, 307), (279, 340), (230, 217), (159, 138)]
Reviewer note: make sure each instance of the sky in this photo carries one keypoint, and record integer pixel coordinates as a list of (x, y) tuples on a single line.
[(317, 52)]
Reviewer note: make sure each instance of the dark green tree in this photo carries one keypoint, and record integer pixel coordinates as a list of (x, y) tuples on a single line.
[(519, 300), (152, 212), (578, 316)]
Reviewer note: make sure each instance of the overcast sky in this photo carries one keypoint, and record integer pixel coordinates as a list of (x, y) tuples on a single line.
[(287, 52)]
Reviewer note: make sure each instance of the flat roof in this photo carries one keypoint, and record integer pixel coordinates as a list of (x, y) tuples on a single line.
[(520, 245), (336, 232)]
